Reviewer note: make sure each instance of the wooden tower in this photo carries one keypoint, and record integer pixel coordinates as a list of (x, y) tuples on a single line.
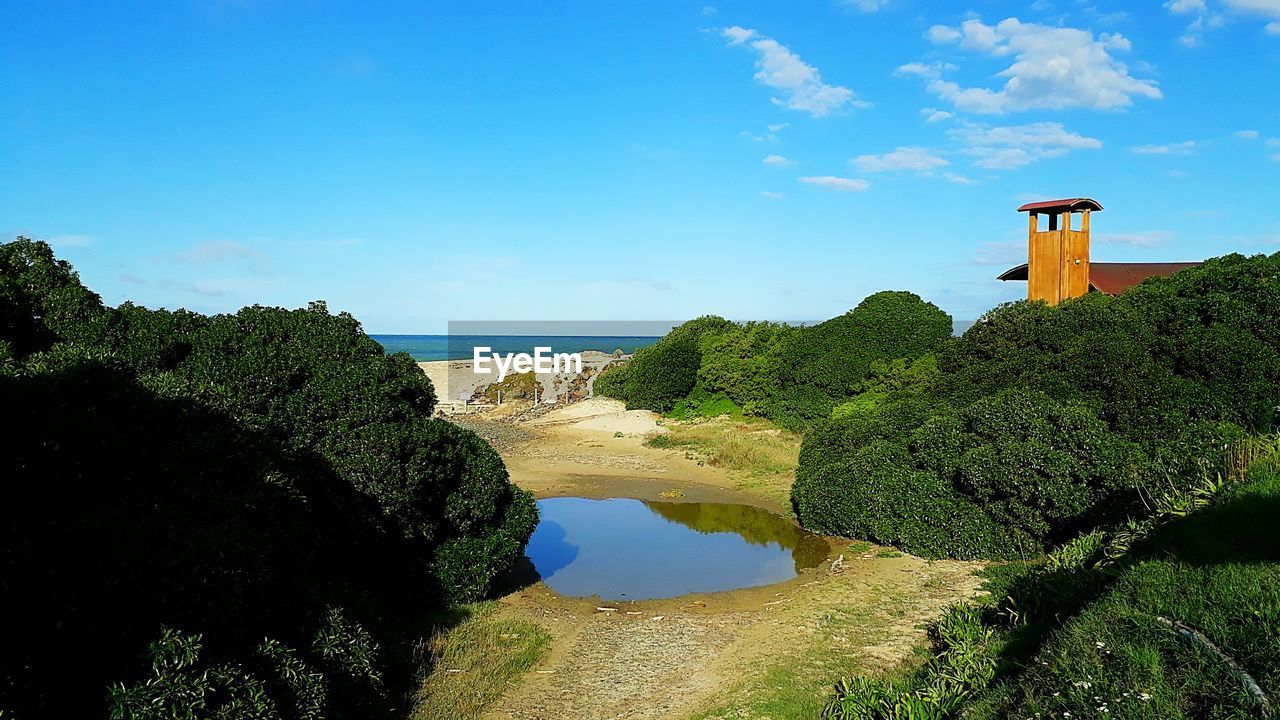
[(1058, 254)]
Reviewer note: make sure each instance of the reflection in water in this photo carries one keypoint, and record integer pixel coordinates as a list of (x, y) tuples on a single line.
[(629, 549), (755, 525)]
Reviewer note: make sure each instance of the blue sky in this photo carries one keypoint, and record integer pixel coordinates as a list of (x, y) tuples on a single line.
[(415, 163)]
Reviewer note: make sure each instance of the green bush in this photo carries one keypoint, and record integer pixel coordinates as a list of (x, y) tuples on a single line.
[(1010, 474), (265, 474), (827, 364), (872, 491), (794, 376), (744, 363), (659, 375), (1050, 418)]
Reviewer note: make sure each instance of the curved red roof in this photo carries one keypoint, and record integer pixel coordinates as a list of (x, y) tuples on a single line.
[(1064, 205), (1113, 278)]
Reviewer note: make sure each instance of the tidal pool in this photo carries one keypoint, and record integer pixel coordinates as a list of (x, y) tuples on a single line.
[(623, 549)]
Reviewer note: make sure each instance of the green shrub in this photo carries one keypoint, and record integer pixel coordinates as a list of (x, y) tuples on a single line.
[(659, 375), (1011, 473), (702, 404), (266, 474), (182, 686), (1049, 419), (874, 492), (827, 364), (612, 381), (744, 363)]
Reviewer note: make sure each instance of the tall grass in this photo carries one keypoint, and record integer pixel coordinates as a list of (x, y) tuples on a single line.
[(475, 662), (750, 447)]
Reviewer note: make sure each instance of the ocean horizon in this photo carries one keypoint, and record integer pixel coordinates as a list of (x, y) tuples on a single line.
[(429, 347), (424, 348)]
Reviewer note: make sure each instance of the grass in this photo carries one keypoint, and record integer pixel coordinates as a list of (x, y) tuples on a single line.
[(1217, 571), (1082, 640), (475, 661), (859, 547), (797, 684), (763, 456)]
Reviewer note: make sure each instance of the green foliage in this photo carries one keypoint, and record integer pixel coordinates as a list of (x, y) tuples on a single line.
[(874, 492), (794, 376), (612, 381), (1216, 569), (702, 404), (1081, 634), (182, 687), (744, 363), (302, 687), (266, 474), (661, 374), (827, 363), (964, 663), (42, 301), (1041, 422)]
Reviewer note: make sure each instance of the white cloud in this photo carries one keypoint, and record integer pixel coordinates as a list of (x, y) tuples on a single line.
[(216, 252), (1276, 157), (67, 241), (1212, 15), (1182, 148), (1247, 134), (837, 183), (1009, 147), (798, 83), (1000, 253), (224, 251), (1273, 142), (1265, 8), (770, 194), (933, 115), (913, 159), (959, 179), (929, 71), (868, 5), (1053, 68), (776, 161), (778, 127), (1145, 238)]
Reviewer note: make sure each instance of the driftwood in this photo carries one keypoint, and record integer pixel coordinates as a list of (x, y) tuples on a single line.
[(1197, 638)]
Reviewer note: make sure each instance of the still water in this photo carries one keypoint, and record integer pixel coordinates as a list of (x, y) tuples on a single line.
[(622, 549)]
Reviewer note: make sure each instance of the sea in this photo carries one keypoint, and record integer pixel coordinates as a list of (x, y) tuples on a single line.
[(460, 347)]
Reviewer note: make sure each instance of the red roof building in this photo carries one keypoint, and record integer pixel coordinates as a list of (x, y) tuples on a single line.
[(1058, 266), (1113, 278)]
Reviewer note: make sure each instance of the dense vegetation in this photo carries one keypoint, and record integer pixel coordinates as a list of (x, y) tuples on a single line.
[(794, 376), (1042, 422), (228, 516), (1143, 620)]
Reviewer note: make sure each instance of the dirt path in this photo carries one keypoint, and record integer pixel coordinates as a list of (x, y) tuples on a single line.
[(717, 655)]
